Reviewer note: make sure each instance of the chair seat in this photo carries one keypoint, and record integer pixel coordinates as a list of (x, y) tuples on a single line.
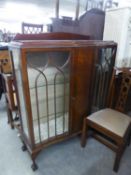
[(111, 120)]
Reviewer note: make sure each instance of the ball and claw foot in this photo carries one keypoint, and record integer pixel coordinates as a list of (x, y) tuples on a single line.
[(34, 166), (24, 148)]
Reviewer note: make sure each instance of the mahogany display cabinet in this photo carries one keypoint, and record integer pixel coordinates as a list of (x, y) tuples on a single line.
[(54, 81)]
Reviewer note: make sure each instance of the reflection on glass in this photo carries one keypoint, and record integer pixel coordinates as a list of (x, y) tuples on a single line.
[(20, 92)]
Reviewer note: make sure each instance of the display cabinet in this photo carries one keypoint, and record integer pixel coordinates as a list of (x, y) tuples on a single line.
[(54, 84)]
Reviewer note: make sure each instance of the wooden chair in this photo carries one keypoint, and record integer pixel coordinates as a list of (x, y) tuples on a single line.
[(28, 28), (10, 97), (109, 126)]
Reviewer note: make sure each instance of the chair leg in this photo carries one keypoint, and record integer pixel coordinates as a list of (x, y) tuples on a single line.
[(129, 138), (129, 142), (118, 157), (84, 133), (9, 114), (10, 117)]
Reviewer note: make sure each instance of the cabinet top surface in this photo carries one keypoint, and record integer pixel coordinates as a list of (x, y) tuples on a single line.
[(60, 43)]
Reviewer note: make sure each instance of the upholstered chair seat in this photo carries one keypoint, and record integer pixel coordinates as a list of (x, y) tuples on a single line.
[(112, 120)]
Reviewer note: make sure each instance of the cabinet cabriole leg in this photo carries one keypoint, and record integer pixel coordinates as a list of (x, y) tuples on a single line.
[(34, 166), (24, 148)]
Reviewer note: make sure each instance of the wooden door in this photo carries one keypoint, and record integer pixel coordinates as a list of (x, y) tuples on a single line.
[(81, 77)]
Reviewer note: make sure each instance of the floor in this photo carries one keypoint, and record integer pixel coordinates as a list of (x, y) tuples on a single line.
[(60, 159)]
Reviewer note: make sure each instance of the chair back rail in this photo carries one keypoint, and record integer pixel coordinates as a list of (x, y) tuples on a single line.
[(120, 86), (28, 28)]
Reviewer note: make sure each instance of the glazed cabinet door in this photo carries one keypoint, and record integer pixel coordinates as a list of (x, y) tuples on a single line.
[(46, 78), (103, 68)]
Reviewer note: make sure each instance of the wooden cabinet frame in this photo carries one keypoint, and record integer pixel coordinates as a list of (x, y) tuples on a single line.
[(84, 57)]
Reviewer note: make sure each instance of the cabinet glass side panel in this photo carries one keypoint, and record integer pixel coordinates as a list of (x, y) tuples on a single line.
[(16, 59), (48, 76), (103, 71)]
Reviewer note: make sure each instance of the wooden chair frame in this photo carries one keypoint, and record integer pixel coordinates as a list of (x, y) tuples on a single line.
[(10, 97), (108, 138)]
